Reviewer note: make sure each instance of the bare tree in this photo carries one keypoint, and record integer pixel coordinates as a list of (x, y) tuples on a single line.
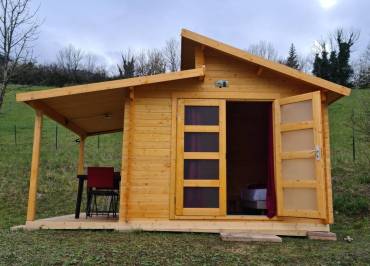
[(264, 49), (305, 63), (141, 64), (90, 62), (150, 62), (18, 30), (70, 59), (156, 62), (172, 55), (362, 69), (127, 67)]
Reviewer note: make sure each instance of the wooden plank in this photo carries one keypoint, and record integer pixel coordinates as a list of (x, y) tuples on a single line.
[(296, 126), (280, 68), (201, 211), (319, 235), (180, 157), (201, 128), (297, 155), (302, 213), (110, 85), (329, 193), (201, 183), (51, 113), (319, 164), (244, 96), (296, 98), (299, 183), (172, 195), (222, 160), (201, 155), (278, 158), (250, 237), (32, 193)]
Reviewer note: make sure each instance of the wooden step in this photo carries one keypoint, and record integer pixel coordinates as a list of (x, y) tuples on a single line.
[(249, 237), (321, 235)]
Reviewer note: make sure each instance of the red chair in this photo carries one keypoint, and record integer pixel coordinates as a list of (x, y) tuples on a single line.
[(100, 182)]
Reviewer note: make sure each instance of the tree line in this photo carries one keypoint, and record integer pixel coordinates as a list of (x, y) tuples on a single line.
[(19, 28), (74, 66)]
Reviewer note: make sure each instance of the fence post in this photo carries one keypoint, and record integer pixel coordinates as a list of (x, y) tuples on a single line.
[(15, 134), (353, 136), (56, 137)]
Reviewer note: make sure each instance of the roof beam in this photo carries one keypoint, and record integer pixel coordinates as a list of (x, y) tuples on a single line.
[(54, 115), (259, 71), (105, 132), (109, 85)]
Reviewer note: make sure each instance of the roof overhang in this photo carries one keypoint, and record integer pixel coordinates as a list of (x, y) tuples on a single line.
[(189, 39), (95, 108)]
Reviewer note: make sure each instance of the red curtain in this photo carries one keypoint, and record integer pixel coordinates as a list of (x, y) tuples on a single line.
[(271, 196)]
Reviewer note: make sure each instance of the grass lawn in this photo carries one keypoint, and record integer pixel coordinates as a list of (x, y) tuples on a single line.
[(57, 192)]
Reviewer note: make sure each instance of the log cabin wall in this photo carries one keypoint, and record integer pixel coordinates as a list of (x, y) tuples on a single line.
[(152, 158)]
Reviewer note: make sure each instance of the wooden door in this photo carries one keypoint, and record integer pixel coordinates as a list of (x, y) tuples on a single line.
[(201, 157), (299, 165)]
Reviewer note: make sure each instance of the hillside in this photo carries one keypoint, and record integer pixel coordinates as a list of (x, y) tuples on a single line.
[(58, 185)]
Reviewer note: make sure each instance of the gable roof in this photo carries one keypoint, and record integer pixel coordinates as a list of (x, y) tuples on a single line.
[(263, 63)]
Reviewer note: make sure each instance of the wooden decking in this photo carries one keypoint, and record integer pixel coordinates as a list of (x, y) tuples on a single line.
[(68, 222)]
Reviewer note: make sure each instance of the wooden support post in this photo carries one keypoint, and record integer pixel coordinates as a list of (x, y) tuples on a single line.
[(80, 173), (81, 157), (259, 71), (127, 146), (31, 209)]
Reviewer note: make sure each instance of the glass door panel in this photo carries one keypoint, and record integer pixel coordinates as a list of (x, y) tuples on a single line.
[(298, 152), (201, 167)]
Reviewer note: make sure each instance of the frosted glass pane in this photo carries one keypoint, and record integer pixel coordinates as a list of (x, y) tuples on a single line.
[(296, 112), (201, 169), (201, 197), (298, 140), (298, 169), (300, 199), (201, 115)]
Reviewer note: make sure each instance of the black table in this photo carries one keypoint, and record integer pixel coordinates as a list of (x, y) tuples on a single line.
[(81, 180)]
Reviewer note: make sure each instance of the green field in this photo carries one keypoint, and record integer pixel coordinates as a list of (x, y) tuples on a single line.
[(58, 186)]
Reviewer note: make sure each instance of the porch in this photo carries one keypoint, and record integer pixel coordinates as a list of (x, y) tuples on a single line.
[(88, 110), (278, 227)]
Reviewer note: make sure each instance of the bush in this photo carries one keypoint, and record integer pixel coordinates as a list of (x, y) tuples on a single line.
[(351, 204)]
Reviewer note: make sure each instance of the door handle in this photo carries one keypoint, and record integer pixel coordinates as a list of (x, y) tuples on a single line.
[(317, 151)]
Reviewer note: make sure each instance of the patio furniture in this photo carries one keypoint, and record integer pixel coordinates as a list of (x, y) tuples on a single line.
[(101, 184)]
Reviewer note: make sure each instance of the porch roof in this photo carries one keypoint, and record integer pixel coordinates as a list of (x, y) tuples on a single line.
[(95, 108)]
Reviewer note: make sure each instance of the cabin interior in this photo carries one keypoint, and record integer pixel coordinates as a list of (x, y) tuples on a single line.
[(248, 155)]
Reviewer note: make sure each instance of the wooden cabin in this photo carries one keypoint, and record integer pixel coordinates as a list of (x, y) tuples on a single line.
[(232, 142)]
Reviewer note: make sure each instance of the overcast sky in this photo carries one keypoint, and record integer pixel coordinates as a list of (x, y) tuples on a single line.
[(107, 27)]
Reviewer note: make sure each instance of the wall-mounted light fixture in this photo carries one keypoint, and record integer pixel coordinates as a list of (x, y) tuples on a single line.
[(222, 83)]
